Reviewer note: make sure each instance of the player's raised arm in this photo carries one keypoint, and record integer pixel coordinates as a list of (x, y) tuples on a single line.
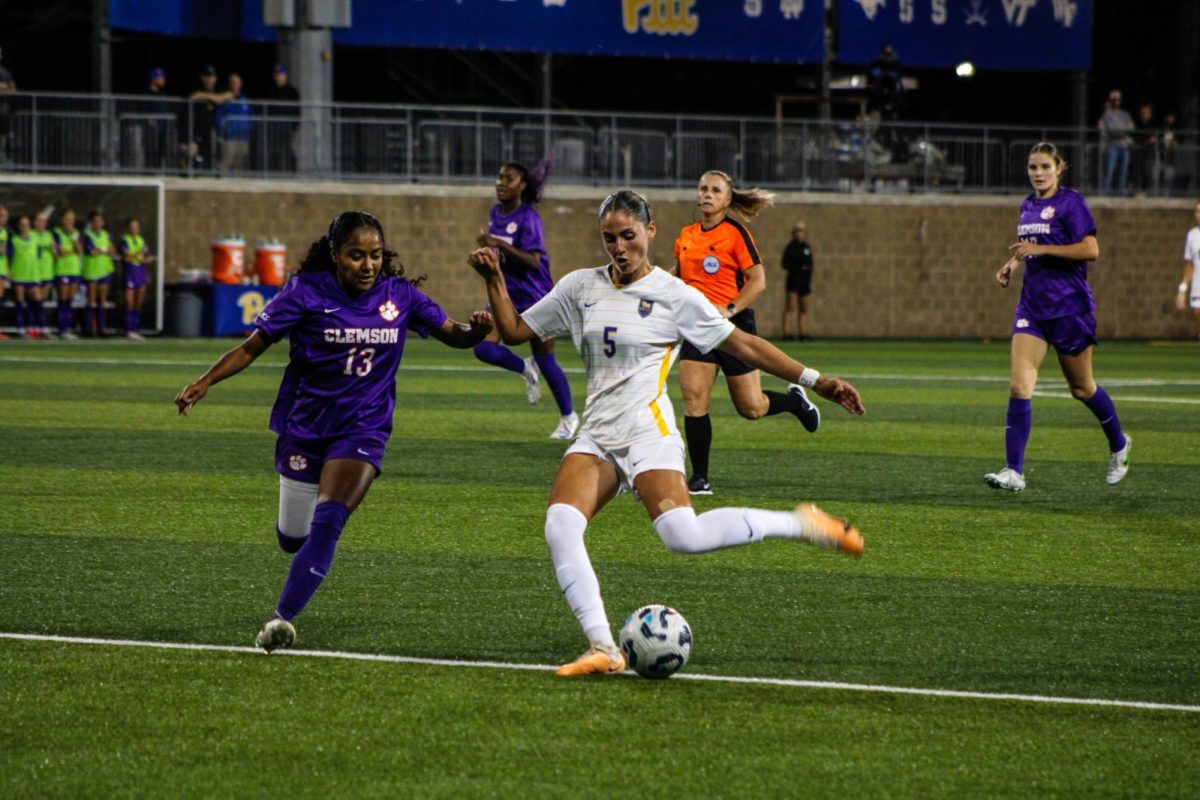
[(513, 329), (765, 356)]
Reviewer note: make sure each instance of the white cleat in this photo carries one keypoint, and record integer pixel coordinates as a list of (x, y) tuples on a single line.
[(566, 427), (1118, 463), (277, 634), (1007, 479), (533, 381)]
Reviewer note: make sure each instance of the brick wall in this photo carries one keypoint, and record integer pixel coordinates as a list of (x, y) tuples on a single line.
[(886, 266)]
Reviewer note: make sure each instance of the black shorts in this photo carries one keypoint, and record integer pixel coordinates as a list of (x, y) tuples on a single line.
[(800, 282), (732, 366)]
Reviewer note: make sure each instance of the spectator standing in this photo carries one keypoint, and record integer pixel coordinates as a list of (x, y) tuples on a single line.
[(285, 119), (7, 86), (1116, 127), (885, 100), (1191, 274), (798, 264), (1168, 149), (157, 109), (196, 122), (234, 127), (1146, 154)]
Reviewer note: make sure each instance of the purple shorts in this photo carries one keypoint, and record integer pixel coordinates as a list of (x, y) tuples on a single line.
[(1071, 334), (302, 459), (135, 276), (99, 281)]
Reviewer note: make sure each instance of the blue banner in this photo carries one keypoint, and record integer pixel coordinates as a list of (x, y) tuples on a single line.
[(780, 31), (992, 34)]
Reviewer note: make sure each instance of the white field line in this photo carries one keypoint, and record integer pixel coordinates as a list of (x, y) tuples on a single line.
[(441, 662), (865, 376)]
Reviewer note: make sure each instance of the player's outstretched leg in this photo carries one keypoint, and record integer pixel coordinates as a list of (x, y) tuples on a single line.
[(682, 531), (277, 634), (1118, 462)]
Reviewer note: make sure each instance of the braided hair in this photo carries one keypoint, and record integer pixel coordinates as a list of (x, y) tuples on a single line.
[(321, 253)]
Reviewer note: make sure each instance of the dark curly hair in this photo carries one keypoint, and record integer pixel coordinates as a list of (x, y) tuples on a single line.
[(535, 180), (320, 256)]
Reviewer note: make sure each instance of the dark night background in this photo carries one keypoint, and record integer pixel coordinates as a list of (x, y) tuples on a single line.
[(47, 46)]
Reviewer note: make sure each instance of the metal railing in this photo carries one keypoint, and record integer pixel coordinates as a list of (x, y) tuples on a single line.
[(145, 135)]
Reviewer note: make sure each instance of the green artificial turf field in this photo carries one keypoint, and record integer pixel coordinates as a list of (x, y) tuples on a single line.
[(123, 521)]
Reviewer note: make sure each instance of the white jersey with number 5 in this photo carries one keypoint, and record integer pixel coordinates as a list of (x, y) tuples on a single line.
[(629, 338), (1191, 252)]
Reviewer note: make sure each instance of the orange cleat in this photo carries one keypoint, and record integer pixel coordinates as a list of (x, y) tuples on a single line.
[(827, 531), (599, 659)]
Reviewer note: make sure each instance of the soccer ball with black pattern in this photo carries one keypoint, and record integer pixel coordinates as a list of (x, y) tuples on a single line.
[(656, 641)]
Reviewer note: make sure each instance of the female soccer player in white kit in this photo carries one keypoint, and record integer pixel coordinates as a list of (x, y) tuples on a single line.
[(627, 319)]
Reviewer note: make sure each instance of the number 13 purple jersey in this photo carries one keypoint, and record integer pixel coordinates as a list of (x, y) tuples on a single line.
[(345, 350), (1055, 287)]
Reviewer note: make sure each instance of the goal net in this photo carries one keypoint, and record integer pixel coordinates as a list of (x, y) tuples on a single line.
[(117, 199)]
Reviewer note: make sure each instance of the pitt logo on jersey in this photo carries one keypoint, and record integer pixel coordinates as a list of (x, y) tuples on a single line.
[(645, 307)]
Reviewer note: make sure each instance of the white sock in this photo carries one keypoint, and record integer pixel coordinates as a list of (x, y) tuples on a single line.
[(564, 534), (684, 532)]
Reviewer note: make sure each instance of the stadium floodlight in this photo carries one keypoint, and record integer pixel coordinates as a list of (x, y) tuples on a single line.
[(965, 70)]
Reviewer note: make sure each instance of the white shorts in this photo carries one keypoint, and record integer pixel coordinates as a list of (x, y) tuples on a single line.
[(664, 452)]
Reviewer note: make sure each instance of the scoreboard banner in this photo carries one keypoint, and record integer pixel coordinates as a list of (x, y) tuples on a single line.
[(780, 31), (992, 34)]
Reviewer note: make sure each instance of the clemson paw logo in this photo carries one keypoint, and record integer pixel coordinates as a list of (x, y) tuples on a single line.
[(297, 463), (510, 228), (389, 311), (1022, 323), (1048, 212)]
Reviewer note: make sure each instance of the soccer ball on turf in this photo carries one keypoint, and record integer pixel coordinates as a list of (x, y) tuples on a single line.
[(656, 641)]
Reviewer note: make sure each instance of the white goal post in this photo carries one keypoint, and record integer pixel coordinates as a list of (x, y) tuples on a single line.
[(116, 198)]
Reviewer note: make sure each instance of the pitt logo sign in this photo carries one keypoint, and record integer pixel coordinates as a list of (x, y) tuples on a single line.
[(251, 304), (660, 16)]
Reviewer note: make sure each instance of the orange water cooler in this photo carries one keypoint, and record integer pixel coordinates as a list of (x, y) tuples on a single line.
[(270, 262), (228, 258)]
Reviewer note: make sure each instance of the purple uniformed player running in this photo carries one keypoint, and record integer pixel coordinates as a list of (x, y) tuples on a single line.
[(515, 230), (1056, 236), (347, 314)]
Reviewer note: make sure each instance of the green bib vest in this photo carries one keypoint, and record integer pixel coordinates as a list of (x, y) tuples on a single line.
[(24, 265), (69, 263), (135, 249), (45, 255), (98, 264), (4, 252)]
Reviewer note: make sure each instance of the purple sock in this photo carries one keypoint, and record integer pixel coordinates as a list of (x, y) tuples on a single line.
[(89, 319), (554, 376), (64, 317), (499, 355), (289, 544), (1102, 406), (39, 314), (1016, 432), (22, 315), (130, 321), (312, 562)]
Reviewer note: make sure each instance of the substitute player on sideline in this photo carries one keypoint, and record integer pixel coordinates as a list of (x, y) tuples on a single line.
[(627, 319), (718, 257), (1191, 274), (347, 313), (515, 231), (1056, 237)]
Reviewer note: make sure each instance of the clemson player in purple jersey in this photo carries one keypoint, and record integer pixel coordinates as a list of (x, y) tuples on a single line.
[(515, 230), (1056, 237), (347, 313)]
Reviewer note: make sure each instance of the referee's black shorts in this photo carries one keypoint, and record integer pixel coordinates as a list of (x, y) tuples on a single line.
[(732, 366)]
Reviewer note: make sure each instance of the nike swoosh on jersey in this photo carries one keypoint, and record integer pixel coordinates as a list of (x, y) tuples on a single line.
[(331, 310), (364, 452)]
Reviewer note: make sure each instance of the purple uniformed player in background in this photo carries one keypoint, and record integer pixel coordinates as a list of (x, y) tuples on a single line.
[(347, 313), (1056, 237), (515, 230)]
